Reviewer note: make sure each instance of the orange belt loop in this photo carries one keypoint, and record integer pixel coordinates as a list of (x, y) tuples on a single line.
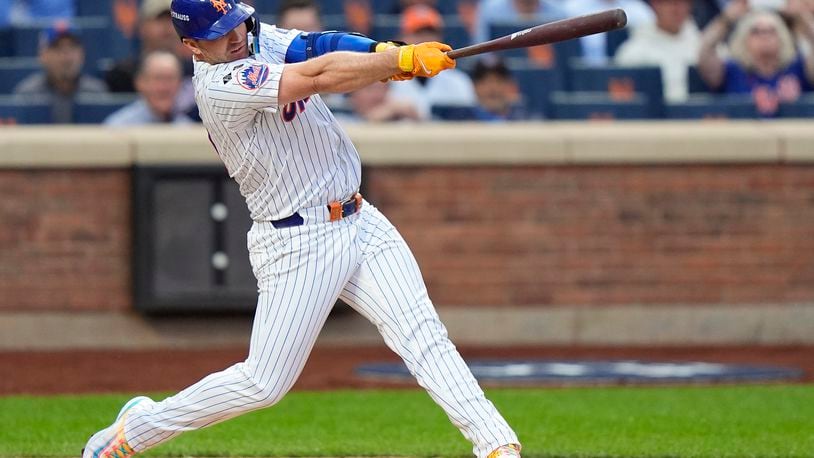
[(336, 211), (358, 198)]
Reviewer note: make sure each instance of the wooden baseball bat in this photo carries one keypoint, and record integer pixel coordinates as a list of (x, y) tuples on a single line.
[(566, 29)]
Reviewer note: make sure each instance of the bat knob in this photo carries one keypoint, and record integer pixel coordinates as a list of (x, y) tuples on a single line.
[(621, 17)]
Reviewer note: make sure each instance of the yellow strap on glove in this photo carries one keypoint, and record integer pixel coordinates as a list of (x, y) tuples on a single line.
[(425, 59), (383, 46)]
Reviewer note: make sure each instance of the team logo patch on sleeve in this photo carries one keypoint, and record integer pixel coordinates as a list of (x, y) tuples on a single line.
[(253, 77)]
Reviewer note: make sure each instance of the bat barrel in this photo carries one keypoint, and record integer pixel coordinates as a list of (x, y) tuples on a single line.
[(566, 29)]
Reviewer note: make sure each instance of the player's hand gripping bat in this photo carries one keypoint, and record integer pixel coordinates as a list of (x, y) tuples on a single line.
[(566, 29)]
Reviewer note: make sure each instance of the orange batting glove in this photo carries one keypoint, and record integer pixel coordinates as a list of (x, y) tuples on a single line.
[(425, 59)]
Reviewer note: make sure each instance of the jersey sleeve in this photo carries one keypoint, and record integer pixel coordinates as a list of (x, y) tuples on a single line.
[(274, 42), (240, 89)]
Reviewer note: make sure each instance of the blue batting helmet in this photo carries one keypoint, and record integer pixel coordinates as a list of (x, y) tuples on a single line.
[(210, 19)]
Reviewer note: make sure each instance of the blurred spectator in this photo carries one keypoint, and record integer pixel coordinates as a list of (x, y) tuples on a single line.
[(62, 56), (402, 5), (706, 10), (299, 14), (775, 5), (158, 80), (359, 15), (672, 43), (764, 60), (595, 47), (156, 33), (375, 103), (419, 24), (497, 91), (517, 12)]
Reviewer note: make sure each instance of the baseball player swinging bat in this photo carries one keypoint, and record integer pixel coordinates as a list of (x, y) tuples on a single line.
[(566, 29), (314, 238)]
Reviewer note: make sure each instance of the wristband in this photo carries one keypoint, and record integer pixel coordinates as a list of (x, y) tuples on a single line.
[(406, 54)]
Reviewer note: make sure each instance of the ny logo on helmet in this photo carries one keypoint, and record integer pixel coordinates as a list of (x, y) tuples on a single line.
[(221, 6)]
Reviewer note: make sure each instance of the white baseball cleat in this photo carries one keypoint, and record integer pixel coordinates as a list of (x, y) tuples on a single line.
[(506, 451), (110, 442)]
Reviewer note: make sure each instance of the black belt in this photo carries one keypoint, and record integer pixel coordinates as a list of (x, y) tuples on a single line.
[(336, 210)]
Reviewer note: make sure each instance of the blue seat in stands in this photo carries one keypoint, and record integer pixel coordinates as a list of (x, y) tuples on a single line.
[(25, 41), (334, 22), (266, 7), (379, 6), (388, 27), (615, 39), (16, 110), (453, 113), (332, 7), (446, 7), (385, 29), (94, 7), (561, 54), (713, 107), (704, 11), (6, 43), (536, 86), (803, 108), (100, 38), (696, 84), (94, 109), (597, 106), (621, 82), (449, 7), (13, 70), (455, 33)]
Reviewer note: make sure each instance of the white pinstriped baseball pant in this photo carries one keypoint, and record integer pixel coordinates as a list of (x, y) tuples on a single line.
[(301, 271)]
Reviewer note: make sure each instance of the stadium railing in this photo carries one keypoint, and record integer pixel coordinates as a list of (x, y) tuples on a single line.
[(711, 106), (100, 37), (598, 106), (18, 110), (621, 83), (15, 69), (94, 109)]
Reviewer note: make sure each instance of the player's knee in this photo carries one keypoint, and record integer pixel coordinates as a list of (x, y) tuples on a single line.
[(271, 393), (269, 388)]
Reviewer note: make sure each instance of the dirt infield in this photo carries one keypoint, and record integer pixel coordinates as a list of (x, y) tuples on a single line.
[(328, 368)]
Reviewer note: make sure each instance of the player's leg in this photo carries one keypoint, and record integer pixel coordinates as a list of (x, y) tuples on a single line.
[(389, 290), (300, 273)]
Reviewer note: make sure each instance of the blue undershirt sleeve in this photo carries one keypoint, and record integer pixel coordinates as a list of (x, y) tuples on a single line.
[(314, 44)]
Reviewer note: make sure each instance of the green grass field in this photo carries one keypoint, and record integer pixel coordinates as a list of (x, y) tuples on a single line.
[(714, 422)]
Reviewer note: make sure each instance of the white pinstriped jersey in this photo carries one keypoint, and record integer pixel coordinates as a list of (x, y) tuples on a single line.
[(284, 158)]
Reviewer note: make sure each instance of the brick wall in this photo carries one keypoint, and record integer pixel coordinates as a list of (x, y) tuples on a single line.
[(587, 235), (606, 235), (64, 240)]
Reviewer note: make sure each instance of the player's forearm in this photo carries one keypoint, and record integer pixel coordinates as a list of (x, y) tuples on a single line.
[(346, 72), (337, 72)]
